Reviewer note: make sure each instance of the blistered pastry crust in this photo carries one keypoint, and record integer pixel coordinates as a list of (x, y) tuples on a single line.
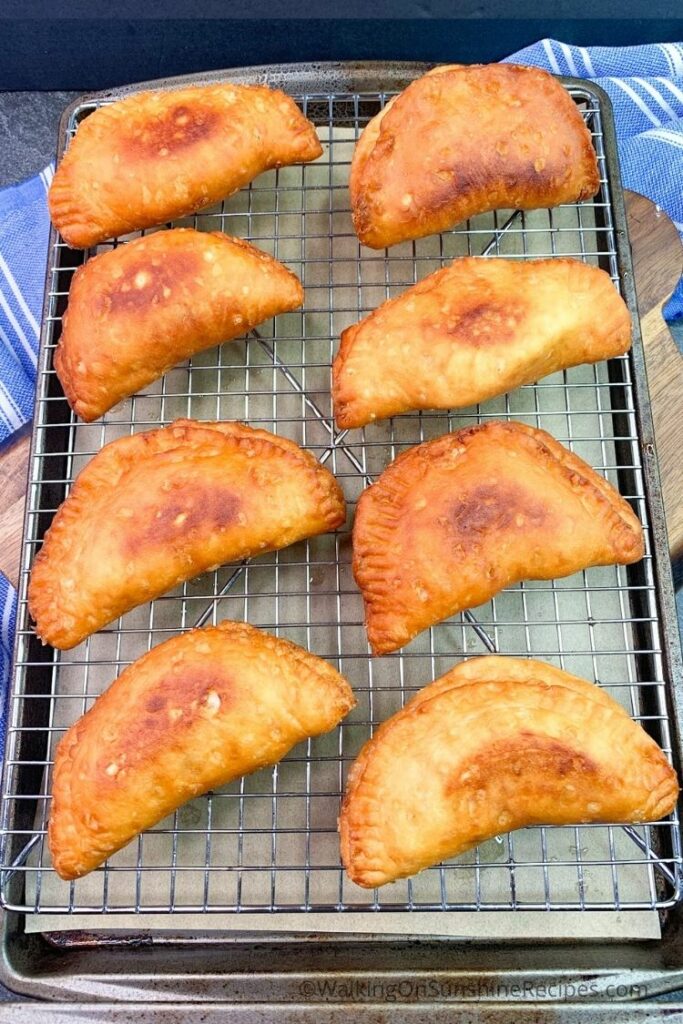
[(153, 510), (474, 330), (156, 156), (138, 310), (494, 745), (193, 714), (453, 521), (463, 140)]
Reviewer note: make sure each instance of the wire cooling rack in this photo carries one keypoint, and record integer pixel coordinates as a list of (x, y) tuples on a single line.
[(269, 843)]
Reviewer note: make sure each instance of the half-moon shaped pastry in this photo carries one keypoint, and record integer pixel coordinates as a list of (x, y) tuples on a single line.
[(155, 509), (464, 140), (195, 713), (473, 330), (136, 311), (494, 745), (451, 522), (155, 156)]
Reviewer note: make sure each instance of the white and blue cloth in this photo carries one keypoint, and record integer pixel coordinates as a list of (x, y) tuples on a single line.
[(23, 246), (24, 231), (645, 84)]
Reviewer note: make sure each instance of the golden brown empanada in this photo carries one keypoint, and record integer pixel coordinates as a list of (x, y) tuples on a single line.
[(473, 330), (155, 156), (451, 522), (155, 509), (494, 745), (138, 310), (195, 713), (463, 140)]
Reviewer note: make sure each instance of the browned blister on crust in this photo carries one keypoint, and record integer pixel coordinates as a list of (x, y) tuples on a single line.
[(464, 140), (138, 310), (193, 714), (155, 156), (476, 329), (153, 510), (453, 521), (494, 745)]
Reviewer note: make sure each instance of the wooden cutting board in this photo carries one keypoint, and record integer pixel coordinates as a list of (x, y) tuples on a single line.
[(658, 262)]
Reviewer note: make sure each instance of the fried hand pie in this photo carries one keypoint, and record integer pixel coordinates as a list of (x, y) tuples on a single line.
[(155, 509), (453, 521), (140, 309), (476, 329), (495, 745), (464, 140), (193, 714), (155, 156)]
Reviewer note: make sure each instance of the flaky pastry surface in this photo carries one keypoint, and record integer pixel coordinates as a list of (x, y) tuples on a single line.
[(463, 140), (158, 508), (140, 309), (453, 521), (198, 711), (155, 156), (476, 329), (494, 745)]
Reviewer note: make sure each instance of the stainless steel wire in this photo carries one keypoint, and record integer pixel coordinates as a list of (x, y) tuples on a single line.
[(269, 843)]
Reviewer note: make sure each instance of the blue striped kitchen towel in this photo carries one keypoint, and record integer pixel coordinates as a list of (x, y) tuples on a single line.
[(23, 241), (23, 248), (645, 85)]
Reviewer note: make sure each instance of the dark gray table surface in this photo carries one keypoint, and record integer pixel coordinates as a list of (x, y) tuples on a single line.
[(28, 131)]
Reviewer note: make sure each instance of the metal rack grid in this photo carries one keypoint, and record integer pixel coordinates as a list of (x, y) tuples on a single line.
[(269, 843)]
